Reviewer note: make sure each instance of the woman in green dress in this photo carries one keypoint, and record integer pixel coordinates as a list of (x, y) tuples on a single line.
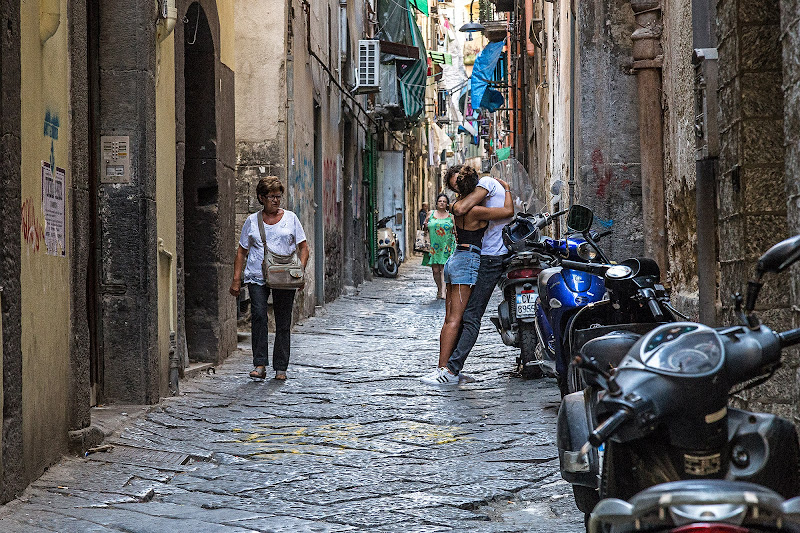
[(441, 229)]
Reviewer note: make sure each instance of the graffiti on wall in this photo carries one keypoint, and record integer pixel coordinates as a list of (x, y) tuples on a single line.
[(331, 200), (31, 227)]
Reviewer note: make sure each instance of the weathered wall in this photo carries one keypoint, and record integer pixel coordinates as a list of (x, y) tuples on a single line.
[(45, 273), (790, 37), (166, 204), (607, 141), (751, 187), (679, 160), (12, 473)]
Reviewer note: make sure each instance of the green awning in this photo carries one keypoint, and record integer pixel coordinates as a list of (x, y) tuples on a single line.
[(421, 5)]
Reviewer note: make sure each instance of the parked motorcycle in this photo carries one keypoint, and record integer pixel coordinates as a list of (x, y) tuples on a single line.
[(530, 256), (389, 257), (602, 333), (677, 457)]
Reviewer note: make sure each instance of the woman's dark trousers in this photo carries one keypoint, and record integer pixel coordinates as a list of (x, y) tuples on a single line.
[(282, 303)]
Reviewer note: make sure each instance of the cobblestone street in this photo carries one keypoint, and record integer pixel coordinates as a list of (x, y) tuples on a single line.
[(352, 441)]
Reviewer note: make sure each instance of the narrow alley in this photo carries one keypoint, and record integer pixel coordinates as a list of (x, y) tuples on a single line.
[(352, 441)]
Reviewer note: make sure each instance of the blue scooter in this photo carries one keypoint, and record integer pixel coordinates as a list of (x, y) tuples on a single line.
[(562, 291)]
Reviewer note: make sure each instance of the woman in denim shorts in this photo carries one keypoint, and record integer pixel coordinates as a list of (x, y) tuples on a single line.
[(461, 270)]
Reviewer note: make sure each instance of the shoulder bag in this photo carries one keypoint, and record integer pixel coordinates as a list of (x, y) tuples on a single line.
[(280, 271)]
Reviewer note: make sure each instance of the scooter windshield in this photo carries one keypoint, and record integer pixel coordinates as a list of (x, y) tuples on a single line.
[(527, 195), (689, 350)]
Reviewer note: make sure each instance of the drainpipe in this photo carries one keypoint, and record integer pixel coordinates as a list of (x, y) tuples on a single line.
[(511, 90), (647, 63), (530, 48), (175, 367), (168, 12), (49, 18), (572, 97)]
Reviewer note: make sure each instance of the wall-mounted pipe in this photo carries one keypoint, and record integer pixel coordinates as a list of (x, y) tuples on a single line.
[(168, 15), (530, 48), (49, 18)]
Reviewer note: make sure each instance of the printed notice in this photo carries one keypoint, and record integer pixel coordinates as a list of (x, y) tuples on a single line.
[(53, 208)]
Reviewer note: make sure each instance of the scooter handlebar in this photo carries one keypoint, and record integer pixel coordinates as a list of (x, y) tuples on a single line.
[(597, 269), (608, 427)]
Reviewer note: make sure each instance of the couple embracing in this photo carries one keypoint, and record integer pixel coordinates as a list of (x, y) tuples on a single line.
[(483, 207)]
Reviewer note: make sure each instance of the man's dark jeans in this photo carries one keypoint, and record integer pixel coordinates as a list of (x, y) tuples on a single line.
[(488, 275), (282, 302)]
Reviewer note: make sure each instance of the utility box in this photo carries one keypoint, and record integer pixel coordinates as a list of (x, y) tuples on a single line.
[(116, 162)]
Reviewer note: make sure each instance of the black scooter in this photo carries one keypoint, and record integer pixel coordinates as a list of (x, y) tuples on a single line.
[(677, 457), (635, 304)]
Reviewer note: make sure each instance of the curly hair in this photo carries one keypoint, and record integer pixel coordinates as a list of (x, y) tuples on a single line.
[(466, 180), (449, 174), (268, 184), (443, 195)]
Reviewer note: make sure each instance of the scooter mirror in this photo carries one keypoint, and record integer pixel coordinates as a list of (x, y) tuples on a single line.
[(580, 218), (780, 257)]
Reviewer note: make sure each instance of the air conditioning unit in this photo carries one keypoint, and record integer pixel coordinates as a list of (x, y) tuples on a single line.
[(367, 76)]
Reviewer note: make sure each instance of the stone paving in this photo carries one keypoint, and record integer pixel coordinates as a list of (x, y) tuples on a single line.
[(352, 441)]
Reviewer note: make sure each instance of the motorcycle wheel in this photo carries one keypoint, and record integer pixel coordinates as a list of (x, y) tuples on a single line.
[(528, 343), (386, 267)]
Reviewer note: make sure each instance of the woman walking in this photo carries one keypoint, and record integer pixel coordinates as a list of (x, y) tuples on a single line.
[(441, 229), (461, 270), (283, 234)]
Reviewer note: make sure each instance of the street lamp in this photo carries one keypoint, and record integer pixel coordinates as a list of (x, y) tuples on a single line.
[(471, 27)]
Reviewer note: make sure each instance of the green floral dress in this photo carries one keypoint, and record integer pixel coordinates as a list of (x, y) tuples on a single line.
[(443, 240)]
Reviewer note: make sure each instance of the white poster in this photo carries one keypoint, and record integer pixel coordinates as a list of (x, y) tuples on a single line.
[(53, 209)]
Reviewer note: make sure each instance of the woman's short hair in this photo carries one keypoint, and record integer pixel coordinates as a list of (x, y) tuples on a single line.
[(268, 184), (466, 180), (443, 195)]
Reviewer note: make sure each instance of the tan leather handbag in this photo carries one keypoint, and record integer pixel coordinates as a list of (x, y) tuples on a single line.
[(280, 271)]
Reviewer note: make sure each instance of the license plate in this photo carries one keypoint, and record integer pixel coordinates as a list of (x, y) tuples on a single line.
[(526, 304)]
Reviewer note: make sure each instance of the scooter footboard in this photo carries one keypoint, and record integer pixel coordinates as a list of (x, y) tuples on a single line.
[(572, 433)]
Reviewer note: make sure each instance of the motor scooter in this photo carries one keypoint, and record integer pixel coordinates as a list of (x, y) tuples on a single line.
[(635, 303), (389, 256), (678, 458), (530, 256)]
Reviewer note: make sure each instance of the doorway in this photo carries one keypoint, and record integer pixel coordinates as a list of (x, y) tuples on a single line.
[(93, 255), (200, 190)]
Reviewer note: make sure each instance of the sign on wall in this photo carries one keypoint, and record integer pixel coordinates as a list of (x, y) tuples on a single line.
[(53, 209)]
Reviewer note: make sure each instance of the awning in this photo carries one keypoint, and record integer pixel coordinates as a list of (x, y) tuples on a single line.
[(482, 72), (421, 5)]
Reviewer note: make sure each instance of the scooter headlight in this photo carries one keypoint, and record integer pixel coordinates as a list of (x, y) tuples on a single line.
[(586, 252)]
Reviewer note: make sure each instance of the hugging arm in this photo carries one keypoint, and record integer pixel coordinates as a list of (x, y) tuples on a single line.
[(461, 207), (495, 213)]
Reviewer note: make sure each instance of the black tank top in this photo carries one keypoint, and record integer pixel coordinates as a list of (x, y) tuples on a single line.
[(474, 237)]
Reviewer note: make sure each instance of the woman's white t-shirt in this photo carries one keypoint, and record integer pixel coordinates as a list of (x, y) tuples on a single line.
[(282, 238)]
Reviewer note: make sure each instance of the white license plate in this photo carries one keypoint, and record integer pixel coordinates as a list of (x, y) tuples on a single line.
[(526, 304)]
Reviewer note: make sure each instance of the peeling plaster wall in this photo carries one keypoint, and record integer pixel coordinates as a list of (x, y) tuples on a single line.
[(679, 163), (607, 140)]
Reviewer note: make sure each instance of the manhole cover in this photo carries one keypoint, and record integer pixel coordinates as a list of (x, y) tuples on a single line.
[(132, 455)]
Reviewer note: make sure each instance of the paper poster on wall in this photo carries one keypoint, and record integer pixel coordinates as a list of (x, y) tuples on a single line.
[(53, 209)]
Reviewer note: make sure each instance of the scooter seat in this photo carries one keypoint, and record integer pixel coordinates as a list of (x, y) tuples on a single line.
[(609, 349)]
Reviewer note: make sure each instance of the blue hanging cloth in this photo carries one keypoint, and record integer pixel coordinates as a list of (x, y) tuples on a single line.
[(482, 72)]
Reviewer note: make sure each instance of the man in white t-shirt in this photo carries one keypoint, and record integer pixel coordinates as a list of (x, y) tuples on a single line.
[(489, 193)]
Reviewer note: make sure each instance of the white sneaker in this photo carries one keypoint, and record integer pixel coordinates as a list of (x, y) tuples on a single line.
[(440, 376), (463, 377)]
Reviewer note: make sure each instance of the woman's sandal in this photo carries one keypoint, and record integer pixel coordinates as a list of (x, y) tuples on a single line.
[(281, 376), (259, 373)]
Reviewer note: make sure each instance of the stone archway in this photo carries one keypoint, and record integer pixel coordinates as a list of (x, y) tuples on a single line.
[(205, 205)]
